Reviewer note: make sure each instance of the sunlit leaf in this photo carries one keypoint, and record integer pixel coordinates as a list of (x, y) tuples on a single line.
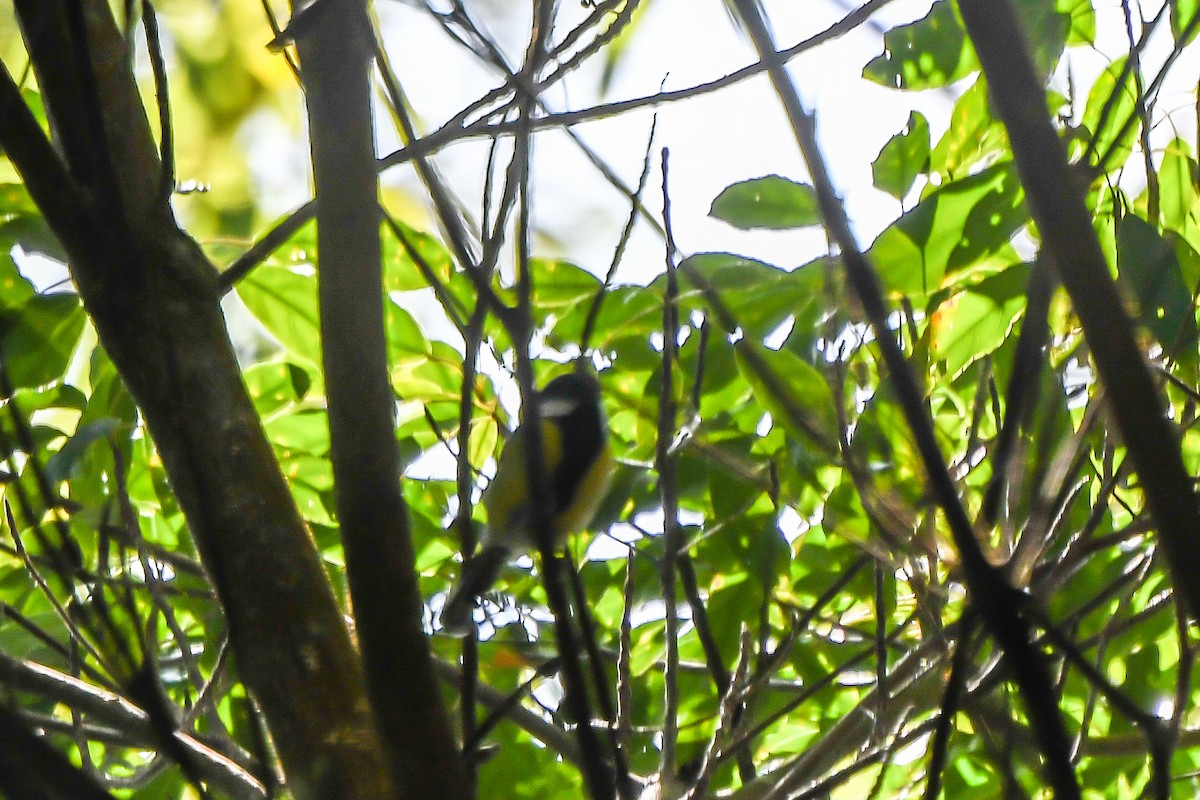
[(931, 52), (408, 256), (903, 158), (1177, 192), (1083, 20), (768, 202), (972, 323), (804, 395), (973, 136), (285, 302), (1184, 22), (1113, 141), (951, 228)]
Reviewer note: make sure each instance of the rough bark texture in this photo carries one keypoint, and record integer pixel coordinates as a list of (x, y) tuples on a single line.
[(333, 40), (153, 297)]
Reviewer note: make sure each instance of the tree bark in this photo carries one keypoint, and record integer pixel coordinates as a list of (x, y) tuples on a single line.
[(153, 297), (335, 47)]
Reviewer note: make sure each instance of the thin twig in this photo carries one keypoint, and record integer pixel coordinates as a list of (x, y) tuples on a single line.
[(999, 602), (665, 464), (166, 148)]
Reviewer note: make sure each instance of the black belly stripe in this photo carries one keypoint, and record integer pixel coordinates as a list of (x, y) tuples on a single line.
[(584, 430)]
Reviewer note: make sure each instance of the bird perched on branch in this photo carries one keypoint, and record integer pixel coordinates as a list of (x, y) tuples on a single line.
[(577, 469)]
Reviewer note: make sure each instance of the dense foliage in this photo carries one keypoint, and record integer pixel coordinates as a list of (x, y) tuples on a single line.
[(775, 599)]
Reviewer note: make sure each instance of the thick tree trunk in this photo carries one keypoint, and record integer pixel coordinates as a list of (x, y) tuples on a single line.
[(153, 297)]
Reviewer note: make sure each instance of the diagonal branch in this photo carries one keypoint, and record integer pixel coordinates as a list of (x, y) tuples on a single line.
[(998, 602), (1056, 201), (153, 298)]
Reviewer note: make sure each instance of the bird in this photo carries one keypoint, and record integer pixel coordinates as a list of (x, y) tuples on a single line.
[(578, 468)]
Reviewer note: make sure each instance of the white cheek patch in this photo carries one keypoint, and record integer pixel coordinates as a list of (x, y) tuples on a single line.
[(557, 407)]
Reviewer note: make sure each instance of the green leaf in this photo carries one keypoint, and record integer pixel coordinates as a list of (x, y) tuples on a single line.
[(302, 432), (1149, 267), (406, 342), (903, 158), (1046, 30), (932, 52), (311, 504), (38, 339), (59, 395), (15, 290), (772, 202), (805, 407), (313, 471), (1108, 139), (33, 99), (759, 295), (563, 294), (1083, 20), (1178, 198), (973, 136), (273, 385), (400, 269), (284, 300), (955, 227), (21, 223), (974, 322), (61, 465), (1184, 23)]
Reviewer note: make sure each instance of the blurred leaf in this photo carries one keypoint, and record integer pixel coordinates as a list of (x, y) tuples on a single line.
[(285, 302), (38, 337), (805, 393), (768, 202), (973, 136), (1047, 25), (760, 297), (562, 297), (1183, 20), (302, 432), (21, 223), (1123, 110), (903, 158), (932, 52), (1083, 20), (974, 322), (406, 342), (400, 269), (1177, 192), (1150, 268), (15, 289), (273, 385), (59, 467)]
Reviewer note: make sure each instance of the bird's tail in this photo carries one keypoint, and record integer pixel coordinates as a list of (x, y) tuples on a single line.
[(477, 577)]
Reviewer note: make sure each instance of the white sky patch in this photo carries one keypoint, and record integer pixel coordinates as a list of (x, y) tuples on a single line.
[(548, 692), (914, 751), (764, 425), (775, 339), (614, 543), (45, 273), (791, 524)]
